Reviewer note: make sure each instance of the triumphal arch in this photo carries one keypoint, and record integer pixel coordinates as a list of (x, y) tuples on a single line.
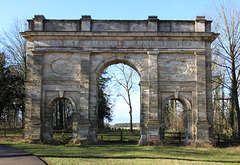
[(172, 57)]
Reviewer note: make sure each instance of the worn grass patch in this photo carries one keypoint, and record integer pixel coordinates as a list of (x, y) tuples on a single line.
[(129, 154)]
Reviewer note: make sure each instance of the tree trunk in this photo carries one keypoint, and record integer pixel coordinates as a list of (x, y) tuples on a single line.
[(56, 113), (61, 114), (131, 127), (130, 112), (23, 118), (223, 110), (238, 116), (235, 103), (64, 114)]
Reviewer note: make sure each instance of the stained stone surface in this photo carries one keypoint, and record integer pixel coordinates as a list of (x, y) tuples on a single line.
[(173, 59)]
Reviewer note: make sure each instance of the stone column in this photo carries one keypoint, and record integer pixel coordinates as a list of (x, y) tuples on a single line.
[(153, 124), (81, 126), (209, 89), (202, 124), (144, 89), (93, 111), (33, 98), (33, 103)]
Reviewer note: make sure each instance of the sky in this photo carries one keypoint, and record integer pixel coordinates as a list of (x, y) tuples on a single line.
[(104, 9), (101, 9)]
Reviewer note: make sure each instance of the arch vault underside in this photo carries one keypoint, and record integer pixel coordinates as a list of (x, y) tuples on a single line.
[(173, 59)]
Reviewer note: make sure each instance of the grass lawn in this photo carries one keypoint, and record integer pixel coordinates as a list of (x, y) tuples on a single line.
[(128, 154)]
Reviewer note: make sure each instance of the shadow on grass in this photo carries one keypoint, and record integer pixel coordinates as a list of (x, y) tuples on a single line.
[(168, 158)]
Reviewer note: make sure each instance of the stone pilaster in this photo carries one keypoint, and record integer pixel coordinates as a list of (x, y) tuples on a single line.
[(144, 89), (82, 128), (93, 111), (153, 122), (209, 89), (34, 96), (202, 122), (28, 101)]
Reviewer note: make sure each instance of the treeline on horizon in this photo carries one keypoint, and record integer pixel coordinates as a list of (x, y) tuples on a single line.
[(126, 125)]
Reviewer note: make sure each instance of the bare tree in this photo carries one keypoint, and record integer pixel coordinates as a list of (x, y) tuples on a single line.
[(127, 84), (226, 18), (15, 49), (15, 46)]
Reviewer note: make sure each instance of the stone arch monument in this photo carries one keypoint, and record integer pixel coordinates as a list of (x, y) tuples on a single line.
[(173, 59)]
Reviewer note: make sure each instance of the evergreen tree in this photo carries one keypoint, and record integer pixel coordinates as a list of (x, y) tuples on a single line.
[(11, 95), (104, 105)]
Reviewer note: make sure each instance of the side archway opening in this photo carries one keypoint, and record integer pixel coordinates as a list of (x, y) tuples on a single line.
[(62, 114), (175, 116), (58, 120)]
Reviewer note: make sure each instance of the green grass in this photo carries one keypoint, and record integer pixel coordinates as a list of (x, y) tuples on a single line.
[(129, 154), (11, 132), (115, 135)]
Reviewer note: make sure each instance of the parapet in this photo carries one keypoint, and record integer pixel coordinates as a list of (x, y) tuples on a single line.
[(152, 24)]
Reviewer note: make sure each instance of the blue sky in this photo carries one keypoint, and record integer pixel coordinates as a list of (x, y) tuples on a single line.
[(104, 9), (101, 9)]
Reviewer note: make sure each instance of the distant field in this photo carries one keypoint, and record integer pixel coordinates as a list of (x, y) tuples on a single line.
[(135, 126), (128, 154)]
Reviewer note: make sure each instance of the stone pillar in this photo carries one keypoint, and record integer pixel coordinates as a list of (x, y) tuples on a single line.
[(202, 122), (33, 123), (33, 99), (153, 124), (209, 89), (81, 125), (144, 89), (93, 111), (33, 103)]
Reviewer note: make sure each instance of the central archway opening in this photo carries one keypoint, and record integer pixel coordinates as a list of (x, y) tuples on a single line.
[(119, 118)]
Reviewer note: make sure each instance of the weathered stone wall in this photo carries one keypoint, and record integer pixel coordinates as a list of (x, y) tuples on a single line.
[(173, 59)]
